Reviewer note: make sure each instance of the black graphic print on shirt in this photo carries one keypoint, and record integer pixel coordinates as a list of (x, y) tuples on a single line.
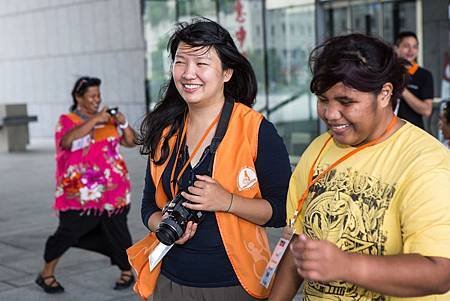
[(347, 208)]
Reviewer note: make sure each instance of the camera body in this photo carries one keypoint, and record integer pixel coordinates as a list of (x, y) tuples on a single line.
[(172, 227), (113, 111)]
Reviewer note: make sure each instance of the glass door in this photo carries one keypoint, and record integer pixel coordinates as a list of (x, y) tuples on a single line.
[(384, 19)]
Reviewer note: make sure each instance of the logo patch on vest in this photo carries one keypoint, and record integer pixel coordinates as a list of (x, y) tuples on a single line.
[(247, 178)]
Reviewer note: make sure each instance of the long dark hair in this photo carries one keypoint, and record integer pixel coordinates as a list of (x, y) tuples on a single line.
[(359, 61), (80, 87), (169, 111)]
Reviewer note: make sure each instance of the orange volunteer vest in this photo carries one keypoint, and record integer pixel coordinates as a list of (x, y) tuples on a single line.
[(246, 244)]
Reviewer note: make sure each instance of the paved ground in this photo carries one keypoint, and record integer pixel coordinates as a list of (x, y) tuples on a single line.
[(26, 220), (26, 194)]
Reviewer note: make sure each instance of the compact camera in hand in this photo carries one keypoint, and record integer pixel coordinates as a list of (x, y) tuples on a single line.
[(113, 111), (172, 227)]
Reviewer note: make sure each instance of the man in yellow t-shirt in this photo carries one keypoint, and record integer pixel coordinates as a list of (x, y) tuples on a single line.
[(375, 221), (391, 198)]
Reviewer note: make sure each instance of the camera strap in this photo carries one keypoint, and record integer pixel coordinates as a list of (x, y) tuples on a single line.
[(173, 181), (222, 121), (220, 130)]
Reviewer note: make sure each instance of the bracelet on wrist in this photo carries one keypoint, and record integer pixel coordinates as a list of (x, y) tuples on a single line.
[(125, 125), (231, 203)]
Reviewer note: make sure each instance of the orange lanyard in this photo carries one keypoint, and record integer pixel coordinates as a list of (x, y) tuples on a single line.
[(311, 182), (174, 184), (413, 68)]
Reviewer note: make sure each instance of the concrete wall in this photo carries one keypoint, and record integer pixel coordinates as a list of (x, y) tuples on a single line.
[(47, 44), (436, 38)]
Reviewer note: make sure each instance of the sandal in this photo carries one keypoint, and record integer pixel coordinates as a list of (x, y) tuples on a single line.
[(49, 288), (125, 281)]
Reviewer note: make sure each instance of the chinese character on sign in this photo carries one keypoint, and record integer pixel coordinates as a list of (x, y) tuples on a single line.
[(240, 14), (240, 33)]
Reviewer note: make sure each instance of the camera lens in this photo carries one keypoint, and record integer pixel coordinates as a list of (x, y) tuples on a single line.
[(171, 228), (169, 231)]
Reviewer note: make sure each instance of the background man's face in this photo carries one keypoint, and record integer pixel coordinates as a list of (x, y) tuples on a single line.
[(408, 49)]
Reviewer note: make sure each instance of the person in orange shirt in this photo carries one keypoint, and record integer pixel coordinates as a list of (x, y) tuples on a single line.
[(416, 100)]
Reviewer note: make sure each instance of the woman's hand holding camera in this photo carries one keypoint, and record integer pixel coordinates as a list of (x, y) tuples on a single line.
[(191, 228), (102, 116), (207, 195), (105, 115), (120, 118)]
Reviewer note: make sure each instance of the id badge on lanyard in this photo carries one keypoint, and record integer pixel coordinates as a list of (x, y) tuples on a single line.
[(278, 252)]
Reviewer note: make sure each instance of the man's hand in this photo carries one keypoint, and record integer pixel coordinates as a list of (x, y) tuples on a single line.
[(319, 260)]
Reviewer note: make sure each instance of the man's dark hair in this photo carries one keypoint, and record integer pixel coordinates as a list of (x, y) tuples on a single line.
[(359, 61), (405, 34)]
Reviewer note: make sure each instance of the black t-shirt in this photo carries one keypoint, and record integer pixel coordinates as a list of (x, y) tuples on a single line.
[(202, 261), (421, 85)]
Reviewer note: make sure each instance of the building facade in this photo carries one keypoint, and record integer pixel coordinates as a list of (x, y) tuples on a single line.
[(277, 37), (47, 44)]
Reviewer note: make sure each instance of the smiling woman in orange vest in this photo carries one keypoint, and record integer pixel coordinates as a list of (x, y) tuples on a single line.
[(237, 188)]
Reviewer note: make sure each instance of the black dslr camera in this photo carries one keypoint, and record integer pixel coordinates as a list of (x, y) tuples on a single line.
[(172, 227), (113, 111)]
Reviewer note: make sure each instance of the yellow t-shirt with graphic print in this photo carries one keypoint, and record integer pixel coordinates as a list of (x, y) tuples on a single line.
[(391, 198)]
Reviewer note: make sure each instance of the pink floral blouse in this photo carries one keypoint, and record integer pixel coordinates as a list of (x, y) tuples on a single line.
[(95, 176)]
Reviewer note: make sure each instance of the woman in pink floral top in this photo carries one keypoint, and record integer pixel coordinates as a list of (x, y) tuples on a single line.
[(92, 184)]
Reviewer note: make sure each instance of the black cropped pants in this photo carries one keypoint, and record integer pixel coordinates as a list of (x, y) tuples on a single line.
[(107, 235)]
